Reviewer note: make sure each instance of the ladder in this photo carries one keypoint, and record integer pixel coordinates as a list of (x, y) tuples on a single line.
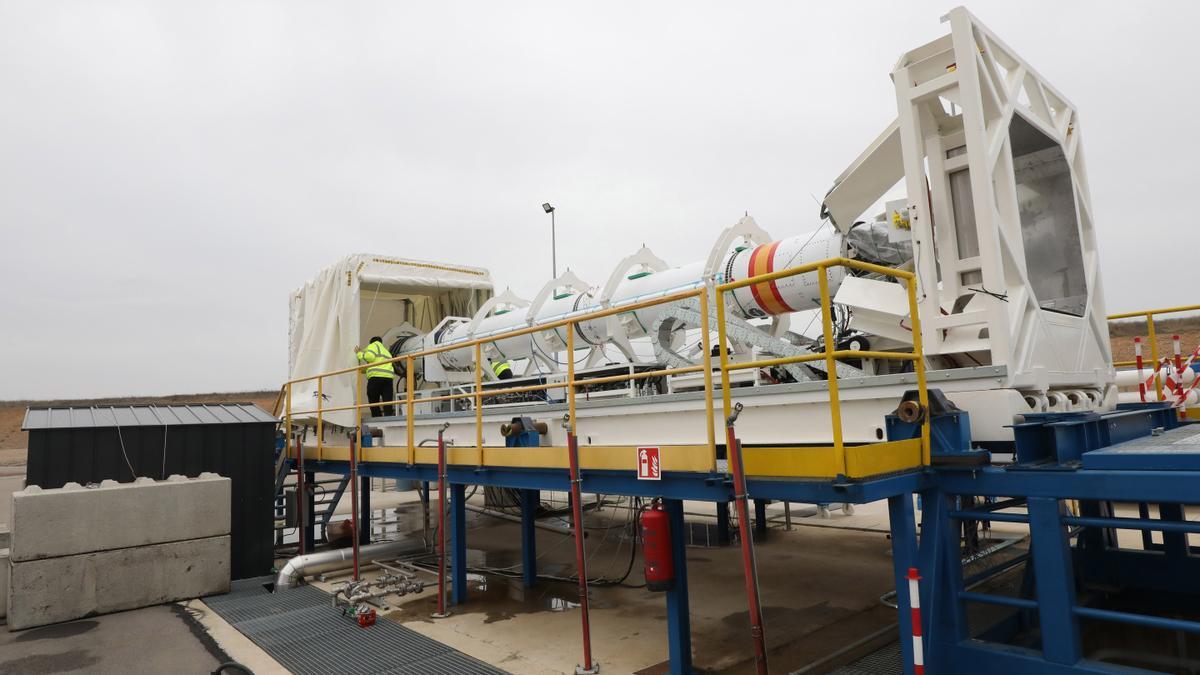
[(325, 500)]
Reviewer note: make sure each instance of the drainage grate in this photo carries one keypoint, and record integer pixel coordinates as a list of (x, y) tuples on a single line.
[(885, 661), (304, 634)]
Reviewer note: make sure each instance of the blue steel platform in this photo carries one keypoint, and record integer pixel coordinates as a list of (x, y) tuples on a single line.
[(1070, 552), (673, 488), (1177, 450), (1068, 460)]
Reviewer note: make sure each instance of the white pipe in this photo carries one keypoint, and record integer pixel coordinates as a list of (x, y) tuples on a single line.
[(1129, 378), (327, 561), (1193, 396), (792, 294)]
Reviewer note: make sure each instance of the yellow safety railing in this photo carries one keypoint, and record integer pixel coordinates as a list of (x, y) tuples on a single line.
[(1151, 335), (830, 354), (571, 383)]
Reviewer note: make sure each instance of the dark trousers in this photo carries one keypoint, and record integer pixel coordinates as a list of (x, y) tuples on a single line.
[(380, 389)]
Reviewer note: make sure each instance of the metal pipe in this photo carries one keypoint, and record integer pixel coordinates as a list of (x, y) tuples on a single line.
[(354, 533), (580, 559), (1138, 619), (516, 519), (327, 561), (749, 564), (1019, 603), (301, 500), (441, 446), (990, 515), (1134, 524)]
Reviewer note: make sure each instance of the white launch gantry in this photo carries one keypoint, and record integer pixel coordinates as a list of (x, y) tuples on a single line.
[(997, 226)]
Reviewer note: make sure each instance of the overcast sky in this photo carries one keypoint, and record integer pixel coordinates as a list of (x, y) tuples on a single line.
[(169, 172)]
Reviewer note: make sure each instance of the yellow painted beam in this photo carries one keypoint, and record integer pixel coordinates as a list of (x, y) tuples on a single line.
[(815, 462), (880, 458), (775, 462)]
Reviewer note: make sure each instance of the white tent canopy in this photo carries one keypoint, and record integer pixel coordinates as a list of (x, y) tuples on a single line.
[(364, 295)]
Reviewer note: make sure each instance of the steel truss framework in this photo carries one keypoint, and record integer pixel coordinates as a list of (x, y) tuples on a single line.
[(958, 99)]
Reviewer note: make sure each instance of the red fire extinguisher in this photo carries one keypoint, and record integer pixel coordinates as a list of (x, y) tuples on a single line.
[(656, 544)]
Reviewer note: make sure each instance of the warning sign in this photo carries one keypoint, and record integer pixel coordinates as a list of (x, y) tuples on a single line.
[(648, 464)]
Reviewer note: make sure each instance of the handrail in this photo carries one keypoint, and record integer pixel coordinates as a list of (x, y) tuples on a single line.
[(1151, 336), (830, 355), (1147, 312), (278, 400), (571, 383)]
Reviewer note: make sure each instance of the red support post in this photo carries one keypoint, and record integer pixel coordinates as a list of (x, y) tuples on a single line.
[(749, 563), (441, 612), (580, 559), (354, 500)]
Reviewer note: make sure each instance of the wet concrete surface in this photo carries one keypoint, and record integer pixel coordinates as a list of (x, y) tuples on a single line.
[(820, 591), (163, 639)]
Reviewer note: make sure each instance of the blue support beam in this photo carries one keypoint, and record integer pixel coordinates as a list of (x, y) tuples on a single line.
[(939, 554), (458, 543), (1118, 486), (529, 506), (760, 518), (364, 510), (904, 556), (1051, 548), (723, 535), (310, 507), (1174, 542), (679, 621)]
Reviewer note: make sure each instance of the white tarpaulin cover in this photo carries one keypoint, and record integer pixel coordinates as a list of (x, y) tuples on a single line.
[(363, 295)]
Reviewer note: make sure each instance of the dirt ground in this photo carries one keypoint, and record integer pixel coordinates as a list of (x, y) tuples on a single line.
[(1122, 333), (13, 441)]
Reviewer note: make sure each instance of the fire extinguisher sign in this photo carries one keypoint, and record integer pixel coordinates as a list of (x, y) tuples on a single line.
[(649, 467)]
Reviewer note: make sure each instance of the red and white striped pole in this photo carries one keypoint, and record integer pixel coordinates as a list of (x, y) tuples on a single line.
[(1137, 355), (1180, 396), (914, 601)]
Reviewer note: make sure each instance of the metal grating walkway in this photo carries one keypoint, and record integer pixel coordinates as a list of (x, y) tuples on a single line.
[(885, 661), (300, 630)]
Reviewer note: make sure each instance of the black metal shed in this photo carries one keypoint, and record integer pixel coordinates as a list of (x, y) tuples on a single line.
[(88, 444)]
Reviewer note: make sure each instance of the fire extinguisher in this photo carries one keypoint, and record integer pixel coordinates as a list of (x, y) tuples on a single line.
[(656, 545)]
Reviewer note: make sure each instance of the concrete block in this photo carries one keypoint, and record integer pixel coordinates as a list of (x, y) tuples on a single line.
[(73, 519), (3, 582), (53, 590)]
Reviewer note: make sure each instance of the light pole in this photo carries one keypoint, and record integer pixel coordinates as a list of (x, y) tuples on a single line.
[(553, 244)]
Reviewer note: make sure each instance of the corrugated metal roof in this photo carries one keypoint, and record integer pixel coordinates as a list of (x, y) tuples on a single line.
[(86, 417)]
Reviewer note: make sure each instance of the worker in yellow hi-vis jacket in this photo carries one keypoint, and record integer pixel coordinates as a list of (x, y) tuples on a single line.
[(379, 376)]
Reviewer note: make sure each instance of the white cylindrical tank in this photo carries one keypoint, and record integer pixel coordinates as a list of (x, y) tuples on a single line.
[(792, 294)]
